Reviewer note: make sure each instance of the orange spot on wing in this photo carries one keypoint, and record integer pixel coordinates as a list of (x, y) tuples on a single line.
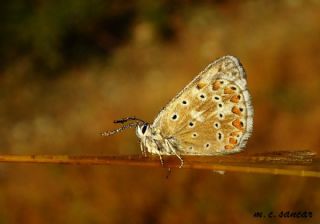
[(235, 98), (233, 141), (236, 110), (228, 90), (228, 147), (235, 133), (216, 85), (238, 124), (200, 85)]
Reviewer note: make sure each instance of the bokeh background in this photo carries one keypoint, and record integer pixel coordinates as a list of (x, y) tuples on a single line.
[(69, 68)]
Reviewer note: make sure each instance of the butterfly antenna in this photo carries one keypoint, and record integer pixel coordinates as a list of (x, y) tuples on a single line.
[(123, 120), (113, 132)]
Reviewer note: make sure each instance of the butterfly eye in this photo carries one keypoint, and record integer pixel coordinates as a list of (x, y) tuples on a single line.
[(144, 128)]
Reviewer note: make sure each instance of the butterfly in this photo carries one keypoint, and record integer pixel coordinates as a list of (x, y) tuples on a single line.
[(211, 116)]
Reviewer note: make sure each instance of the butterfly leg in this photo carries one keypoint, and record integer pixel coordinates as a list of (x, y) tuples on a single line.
[(143, 149), (161, 160), (181, 160), (172, 149)]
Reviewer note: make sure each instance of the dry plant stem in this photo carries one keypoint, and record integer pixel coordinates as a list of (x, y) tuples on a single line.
[(297, 163)]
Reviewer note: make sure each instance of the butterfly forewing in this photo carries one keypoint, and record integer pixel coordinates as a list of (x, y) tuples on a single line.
[(212, 114)]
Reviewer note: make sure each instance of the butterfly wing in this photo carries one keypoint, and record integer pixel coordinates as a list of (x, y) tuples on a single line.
[(212, 114)]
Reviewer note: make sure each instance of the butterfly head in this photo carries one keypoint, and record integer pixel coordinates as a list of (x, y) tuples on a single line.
[(143, 130)]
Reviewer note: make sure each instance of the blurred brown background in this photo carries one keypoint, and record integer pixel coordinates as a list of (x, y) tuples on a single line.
[(69, 68)]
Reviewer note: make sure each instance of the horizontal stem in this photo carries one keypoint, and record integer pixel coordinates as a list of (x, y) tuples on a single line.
[(297, 163)]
